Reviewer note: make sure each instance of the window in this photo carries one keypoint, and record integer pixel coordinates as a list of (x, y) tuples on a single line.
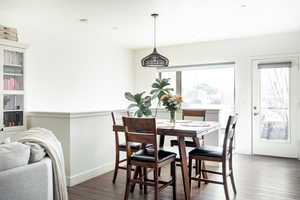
[(207, 87)]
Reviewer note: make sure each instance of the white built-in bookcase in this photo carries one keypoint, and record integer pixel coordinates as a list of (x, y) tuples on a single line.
[(12, 90)]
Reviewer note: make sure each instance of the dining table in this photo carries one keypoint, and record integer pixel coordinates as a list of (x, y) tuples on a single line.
[(182, 129)]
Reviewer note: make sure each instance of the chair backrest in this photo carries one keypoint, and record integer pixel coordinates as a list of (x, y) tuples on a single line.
[(140, 130), (117, 116), (229, 135), (117, 120), (193, 113)]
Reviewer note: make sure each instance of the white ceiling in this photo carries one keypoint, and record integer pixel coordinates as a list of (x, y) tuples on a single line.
[(180, 21)]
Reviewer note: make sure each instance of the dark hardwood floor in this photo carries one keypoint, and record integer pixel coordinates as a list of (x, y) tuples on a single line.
[(257, 178)]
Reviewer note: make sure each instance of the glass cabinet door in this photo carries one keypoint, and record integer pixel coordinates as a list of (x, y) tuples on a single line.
[(13, 88)]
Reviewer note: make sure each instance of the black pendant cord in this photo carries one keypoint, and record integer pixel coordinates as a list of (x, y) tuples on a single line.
[(154, 31), (155, 59), (154, 15)]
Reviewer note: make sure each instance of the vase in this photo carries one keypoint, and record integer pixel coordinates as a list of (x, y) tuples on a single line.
[(172, 116)]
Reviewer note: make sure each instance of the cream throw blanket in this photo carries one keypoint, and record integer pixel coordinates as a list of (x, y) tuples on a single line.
[(52, 146)]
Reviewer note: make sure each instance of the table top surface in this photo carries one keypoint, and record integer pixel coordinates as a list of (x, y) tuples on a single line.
[(187, 128)]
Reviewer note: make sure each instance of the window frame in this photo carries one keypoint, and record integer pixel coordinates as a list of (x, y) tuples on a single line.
[(179, 69)]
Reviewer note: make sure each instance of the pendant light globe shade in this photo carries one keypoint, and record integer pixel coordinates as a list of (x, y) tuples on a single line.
[(155, 59)]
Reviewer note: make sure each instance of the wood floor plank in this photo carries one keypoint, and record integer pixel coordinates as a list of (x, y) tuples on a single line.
[(257, 178)]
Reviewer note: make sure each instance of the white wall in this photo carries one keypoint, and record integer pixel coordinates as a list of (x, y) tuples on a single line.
[(87, 140), (71, 66), (242, 51), (92, 146)]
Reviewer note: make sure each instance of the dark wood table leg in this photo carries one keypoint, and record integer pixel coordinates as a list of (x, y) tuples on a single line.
[(184, 168), (196, 141), (161, 145)]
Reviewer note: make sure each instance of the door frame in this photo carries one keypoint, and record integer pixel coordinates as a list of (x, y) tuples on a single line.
[(294, 58)]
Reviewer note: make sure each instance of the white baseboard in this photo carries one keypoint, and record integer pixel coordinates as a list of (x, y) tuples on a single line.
[(89, 174)]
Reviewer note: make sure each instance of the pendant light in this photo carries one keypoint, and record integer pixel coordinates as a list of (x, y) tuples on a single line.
[(155, 59)]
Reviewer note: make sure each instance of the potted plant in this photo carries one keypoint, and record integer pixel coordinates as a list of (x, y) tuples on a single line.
[(142, 104), (159, 89), (172, 103)]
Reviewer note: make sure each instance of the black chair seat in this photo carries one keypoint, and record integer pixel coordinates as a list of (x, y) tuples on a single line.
[(208, 151), (147, 155)]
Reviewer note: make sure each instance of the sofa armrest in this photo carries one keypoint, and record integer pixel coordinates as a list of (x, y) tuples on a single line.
[(30, 182)]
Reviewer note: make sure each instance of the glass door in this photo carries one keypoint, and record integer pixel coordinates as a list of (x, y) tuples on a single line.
[(274, 101), (273, 108)]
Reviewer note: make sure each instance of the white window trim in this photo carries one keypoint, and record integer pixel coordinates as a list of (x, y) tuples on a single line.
[(179, 68)]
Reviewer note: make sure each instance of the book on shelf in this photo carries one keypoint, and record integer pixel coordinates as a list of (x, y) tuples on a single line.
[(8, 33), (13, 103), (8, 29), (11, 84), (9, 37), (13, 58), (13, 70)]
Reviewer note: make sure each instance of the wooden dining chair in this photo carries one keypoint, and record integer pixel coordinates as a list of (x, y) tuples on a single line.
[(143, 130), (200, 114), (121, 147), (217, 154)]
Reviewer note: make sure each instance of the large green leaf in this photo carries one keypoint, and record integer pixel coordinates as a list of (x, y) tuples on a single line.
[(129, 96), (138, 97), (156, 85), (164, 82)]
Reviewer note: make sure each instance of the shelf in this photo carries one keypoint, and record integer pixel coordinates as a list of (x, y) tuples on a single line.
[(13, 110), (11, 74), (15, 44), (12, 128), (12, 65), (16, 92)]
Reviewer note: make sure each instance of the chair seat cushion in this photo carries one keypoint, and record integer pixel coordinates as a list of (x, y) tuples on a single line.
[(147, 155), (208, 151)]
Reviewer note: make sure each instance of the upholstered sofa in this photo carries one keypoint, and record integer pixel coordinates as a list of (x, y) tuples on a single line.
[(26, 181)]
